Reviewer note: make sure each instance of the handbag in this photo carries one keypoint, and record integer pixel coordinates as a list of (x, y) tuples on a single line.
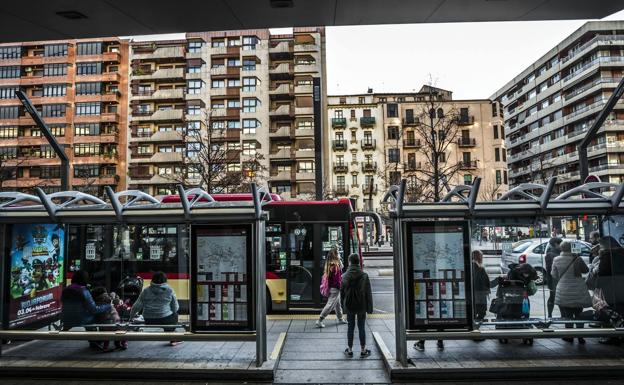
[(598, 300), (324, 286), (494, 306)]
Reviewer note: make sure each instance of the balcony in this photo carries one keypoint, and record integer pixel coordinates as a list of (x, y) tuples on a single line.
[(468, 165), (304, 132), (411, 143), (304, 153), (310, 47), (341, 168), (280, 175), (280, 132), (339, 145), (465, 120), (411, 121), (281, 48), (229, 134), (282, 153), (305, 175), (283, 110), (369, 167), (341, 189), (281, 90), (339, 122), (412, 166), (281, 71), (171, 114), (368, 144), (466, 142), (367, 188), (146, 53), (177, 93), (304, 110), (303, 89), (367, 121)]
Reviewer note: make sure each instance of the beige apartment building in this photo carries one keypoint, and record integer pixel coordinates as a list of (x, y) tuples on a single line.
[(377, 139), (79, 87), (260, 93)]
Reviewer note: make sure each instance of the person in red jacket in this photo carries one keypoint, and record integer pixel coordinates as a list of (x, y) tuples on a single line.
[(333, 272)]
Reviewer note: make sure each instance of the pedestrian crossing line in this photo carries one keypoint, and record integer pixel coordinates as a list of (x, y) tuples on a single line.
[(281, 317)]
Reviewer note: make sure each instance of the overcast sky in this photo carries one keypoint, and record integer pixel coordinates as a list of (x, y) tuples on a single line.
[(471, 59)]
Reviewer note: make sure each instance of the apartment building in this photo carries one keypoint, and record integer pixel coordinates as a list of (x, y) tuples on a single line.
[(79, 88), (550, 105), (376, 141), (260, 94)]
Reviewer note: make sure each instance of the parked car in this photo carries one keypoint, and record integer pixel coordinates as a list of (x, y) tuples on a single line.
[(533, 251)]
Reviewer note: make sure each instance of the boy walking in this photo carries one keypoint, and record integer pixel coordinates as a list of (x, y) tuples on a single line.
[(358, 300)]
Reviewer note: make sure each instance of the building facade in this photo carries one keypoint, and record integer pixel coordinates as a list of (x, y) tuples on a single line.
[(79, 88), (260, 96), (378, 139), (551, 104)]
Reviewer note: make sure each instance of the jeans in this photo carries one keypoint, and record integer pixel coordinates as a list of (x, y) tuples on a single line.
[(333, 302), (571, 313), (361, 325)]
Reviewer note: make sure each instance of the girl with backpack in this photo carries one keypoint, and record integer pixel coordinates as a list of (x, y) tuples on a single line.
[(330, 288)]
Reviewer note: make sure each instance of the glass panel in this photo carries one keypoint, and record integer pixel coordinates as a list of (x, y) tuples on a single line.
[(331, 238), (301, 263)]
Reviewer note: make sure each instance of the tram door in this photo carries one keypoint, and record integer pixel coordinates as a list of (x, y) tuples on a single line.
[(308, 245)]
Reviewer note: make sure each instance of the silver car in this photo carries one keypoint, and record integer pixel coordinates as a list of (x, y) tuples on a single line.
[(533, 251)]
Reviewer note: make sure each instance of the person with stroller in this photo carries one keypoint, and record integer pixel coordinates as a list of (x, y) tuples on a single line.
[(571, 294), (333, 279), (158, 304), (552, 252), (101, 297), (78, 306)]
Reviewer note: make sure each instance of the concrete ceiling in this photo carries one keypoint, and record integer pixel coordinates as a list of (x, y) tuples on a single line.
[(38, 19)]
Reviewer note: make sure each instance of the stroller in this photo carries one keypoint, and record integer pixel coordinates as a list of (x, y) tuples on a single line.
[(129, 290), (512, 298)]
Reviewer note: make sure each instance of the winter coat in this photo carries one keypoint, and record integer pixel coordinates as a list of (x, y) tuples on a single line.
[(109, 317), (356, 293), (335, 277), (78, 307), (549, 258), (481, 284), (610, 268), (571, 287), (156, 301)]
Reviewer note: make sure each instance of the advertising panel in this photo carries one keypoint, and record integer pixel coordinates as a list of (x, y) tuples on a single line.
[(37, 260), (221, 278), (438, 276)]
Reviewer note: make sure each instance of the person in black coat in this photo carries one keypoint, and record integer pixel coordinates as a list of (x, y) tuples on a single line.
[(553, 251), (357, 298)]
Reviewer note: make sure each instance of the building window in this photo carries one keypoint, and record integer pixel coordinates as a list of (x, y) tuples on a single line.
[(393, 132), (343, 100), (8, 132), (8, 92), (495, 131), (86, 149), (442, 157), (354, 179), (504, 155), (233, 124), (57, 130), (144, 149), (50, 90), (92, 88), (249, 105), (505, 176), (304, 125), (88, 68), (249, 65), (193, 69), (499, 179), (10, 52), (218, 125), (55, 50), (392, 110), (249, 84), (55, 69), (394, 154), (194, 86), (91, 48), (234, 42), (195, 46), (338, 114), (250, 126), (92, 108), (86, 170), (218, 43), (249, 42), (361, 100), (497, 154), (467, 179), (233, 83), (249, 148), (8, 152), (53, 110), (7, 72), (9, 112), (220, 83), (305, 166), (193, 110), (233, 62), (90, 129)]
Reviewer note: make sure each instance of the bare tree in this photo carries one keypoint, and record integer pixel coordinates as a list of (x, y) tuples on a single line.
[(208, 163), (490, 191)]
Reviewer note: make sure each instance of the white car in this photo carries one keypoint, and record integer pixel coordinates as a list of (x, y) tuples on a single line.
[(533, 251)]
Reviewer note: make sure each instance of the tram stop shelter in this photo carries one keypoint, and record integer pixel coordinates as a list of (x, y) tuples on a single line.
[(440, 294), (212, 253)]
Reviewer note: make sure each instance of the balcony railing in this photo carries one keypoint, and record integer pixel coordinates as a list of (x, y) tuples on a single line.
[(412, 166), (366, 188), (367, 121), (411, 143), (368, 144), (339, 122), (468, 164), (465, 120), (342, 189), (369, 166), (411, 121), (339, 144), (466, 142), (341, 167)]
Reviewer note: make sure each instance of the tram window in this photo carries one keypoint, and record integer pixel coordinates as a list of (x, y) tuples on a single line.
[(332, 238), (153, 243), (276, 249), (355, 240)]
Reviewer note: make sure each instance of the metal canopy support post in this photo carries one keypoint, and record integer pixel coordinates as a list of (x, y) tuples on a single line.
[(582, 148), (45, 130), (4, 277), (259, 236), (399, 278)]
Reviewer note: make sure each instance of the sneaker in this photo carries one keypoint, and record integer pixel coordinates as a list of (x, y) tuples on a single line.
[(349, 352), (319, 324), (420, 346), (365, 353), (581, 340), (440, 345), (175, 343), (568, 339), (342, 321)]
